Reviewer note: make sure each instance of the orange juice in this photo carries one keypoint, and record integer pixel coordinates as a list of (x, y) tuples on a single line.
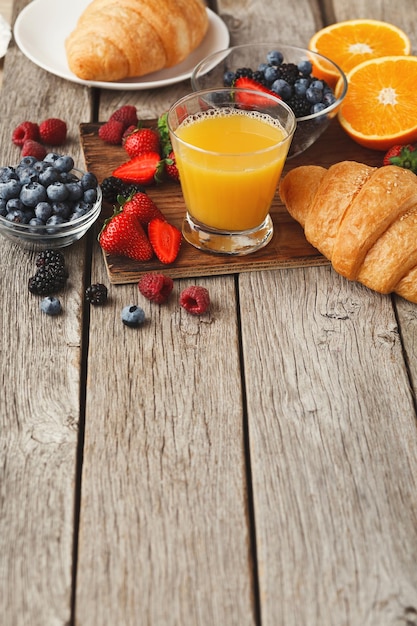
[(230, 161)]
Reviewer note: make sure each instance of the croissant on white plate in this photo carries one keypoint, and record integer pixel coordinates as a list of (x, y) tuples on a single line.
[(362, 218), (121, 39)]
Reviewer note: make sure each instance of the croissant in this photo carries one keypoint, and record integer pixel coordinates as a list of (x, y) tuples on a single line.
[(117, 40), (363, 219)]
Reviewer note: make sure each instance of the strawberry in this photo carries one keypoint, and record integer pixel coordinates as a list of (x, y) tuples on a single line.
[(243, 82), (145, 169), (25, 131), (402, 155), (165, 239), (126, 114), (53, 131), (123, 235), (171, 167), (195, 299), (33, 148), (112, 132), (129, 130), (140, 141), (143, 207), (156, 287)]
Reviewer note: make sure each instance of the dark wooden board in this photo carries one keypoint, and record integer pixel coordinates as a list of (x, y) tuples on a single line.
[(288, 247)]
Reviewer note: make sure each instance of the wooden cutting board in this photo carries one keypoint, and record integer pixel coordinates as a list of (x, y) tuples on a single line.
[(288, 246)]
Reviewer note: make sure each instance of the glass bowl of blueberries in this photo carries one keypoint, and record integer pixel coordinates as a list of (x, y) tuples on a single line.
[(47, 203), (311, 84)]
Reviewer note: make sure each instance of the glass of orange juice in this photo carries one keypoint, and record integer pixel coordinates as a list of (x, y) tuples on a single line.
[(230, 147)]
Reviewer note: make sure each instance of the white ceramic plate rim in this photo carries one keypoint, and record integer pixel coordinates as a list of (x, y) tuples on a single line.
[(42, 26)]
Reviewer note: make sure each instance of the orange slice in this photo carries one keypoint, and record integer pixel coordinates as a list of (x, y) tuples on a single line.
[(349, 43), (380, 107)]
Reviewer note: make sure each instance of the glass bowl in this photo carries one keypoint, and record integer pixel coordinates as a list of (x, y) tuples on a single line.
[(39, 237), (212, 70)]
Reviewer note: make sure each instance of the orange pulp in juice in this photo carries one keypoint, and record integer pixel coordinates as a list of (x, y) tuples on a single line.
[(230, 162)]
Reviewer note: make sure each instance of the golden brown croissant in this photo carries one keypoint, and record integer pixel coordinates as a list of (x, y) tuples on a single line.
[(363, 219), (126, 38)]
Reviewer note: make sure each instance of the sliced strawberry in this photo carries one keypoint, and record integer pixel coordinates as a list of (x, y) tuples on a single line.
[(165, 239), (123, 235), (145, 169), (243, 82)]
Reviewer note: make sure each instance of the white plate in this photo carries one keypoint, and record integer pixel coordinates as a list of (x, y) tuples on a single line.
[(42, 26)]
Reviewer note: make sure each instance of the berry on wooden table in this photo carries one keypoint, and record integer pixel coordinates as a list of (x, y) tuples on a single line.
[(195, 299), (146, 169), (165, 239), (96, 294), (141, 205), (51, 305), (141, 140), (112, 187), (171, 167), (126, 114), (156, 287), (403, 156), (53, 131), (132, 316), (31, 147), (123, 235), (112, 132), (24, 131)]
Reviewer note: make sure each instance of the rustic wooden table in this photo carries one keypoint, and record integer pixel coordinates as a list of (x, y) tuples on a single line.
[(256, 466)]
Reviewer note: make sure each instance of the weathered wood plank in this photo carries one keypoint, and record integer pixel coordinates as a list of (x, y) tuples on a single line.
[(40, 392)]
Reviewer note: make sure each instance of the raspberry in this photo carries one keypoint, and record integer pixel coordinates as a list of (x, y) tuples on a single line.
[(33, 148), (53, 131), (195, 299), (127, 114), (112, 132), (25, 131), (156, 287)]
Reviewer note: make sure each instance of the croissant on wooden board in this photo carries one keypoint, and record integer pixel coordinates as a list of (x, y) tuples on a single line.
[(362, 218), (115, 40)]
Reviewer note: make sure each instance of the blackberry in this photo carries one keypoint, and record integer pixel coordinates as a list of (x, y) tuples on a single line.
[(112, 187), (96, 294), (48, 280), (259, 77), (46, 257), (299, 105), (288, 72), (246, 72)]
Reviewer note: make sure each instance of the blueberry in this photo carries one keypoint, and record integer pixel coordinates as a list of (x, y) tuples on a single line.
[(271, 74), (7, 173), (36, 221), (305, 68), (133, 315), (28, 175), (51, 305), (51, 157), (40, 166), (228, 78), (318, 107), (43, 211), (57, 192), (89, 181), (16, 215), (55, 220), (32, 193), (27, 161), (64, 163), (10, 189), (61, 209), (300, 86), (75, 190), (81, 208), (90, 196), (48, 176), (317, 84), (14, 203), (314, 95), (329, 98), (274, 57), (262, 67), (282, 88)]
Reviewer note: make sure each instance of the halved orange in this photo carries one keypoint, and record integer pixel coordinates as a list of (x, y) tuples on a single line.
[(349, 43), (380, 107)]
